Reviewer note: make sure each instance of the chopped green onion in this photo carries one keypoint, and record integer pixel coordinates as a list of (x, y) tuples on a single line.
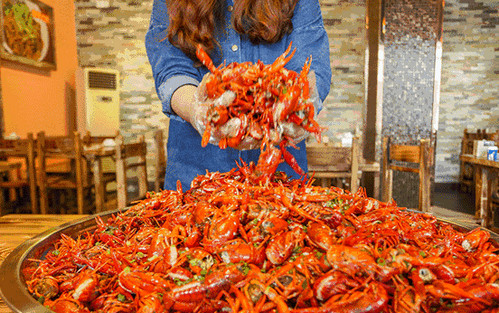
[(121, 297)]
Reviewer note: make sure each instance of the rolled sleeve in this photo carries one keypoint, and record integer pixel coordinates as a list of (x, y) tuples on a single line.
[(166, 90)]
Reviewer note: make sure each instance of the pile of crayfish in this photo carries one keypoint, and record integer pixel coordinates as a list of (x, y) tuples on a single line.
[(229, 244), (266, 104)]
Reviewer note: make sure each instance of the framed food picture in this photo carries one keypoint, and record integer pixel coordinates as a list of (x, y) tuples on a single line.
[(28, 33)]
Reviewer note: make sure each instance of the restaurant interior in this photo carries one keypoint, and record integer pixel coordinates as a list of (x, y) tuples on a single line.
[(407, 70), (412, 115)]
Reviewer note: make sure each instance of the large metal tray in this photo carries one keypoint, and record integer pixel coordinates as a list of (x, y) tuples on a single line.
[(13, 288)]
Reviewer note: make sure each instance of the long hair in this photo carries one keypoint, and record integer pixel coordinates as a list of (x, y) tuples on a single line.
[(194, 22)]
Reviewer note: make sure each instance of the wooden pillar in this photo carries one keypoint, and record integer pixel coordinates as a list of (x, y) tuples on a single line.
[(121, 190), (2, 130), (374, 68), (424, 176)]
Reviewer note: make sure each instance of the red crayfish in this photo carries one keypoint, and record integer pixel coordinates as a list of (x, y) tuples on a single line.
[(267, 104)]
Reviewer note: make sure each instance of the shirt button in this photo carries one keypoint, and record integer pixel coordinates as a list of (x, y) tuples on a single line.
[(230, 8), (234, 48)]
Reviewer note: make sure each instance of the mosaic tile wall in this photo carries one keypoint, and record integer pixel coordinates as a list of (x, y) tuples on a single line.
[(410, 36), (469, 95)]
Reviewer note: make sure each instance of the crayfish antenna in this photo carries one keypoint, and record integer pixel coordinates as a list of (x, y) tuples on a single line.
[(205, 59)]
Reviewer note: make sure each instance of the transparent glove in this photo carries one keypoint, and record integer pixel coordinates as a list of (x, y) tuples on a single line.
[(291, 130), (213, 112)]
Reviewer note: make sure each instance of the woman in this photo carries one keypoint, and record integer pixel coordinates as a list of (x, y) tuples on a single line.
[(230, 31)]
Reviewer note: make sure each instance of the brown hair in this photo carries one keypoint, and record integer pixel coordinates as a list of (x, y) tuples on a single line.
[(193, 22)]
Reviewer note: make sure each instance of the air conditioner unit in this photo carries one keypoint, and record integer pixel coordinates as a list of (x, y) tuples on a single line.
[(98, 101)]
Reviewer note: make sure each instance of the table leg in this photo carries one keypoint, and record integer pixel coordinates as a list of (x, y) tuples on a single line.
[(2, 202), (491, 184), (14, 174), (494, 188), (481, 191), (376, 188), (99, 186)]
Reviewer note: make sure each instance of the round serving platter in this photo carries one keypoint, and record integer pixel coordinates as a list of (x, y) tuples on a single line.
[(13, 288)]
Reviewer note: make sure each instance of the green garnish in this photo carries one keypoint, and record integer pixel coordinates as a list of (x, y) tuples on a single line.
[(121, 297)]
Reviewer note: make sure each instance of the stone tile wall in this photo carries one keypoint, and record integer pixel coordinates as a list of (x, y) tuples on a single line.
[(469, 96), (110, 33), (346, 28)]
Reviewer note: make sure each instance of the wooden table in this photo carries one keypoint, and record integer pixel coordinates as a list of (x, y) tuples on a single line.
[(486, 173), (16, 228)]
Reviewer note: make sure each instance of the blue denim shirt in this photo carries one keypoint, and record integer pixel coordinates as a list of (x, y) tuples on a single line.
[(172, 69)]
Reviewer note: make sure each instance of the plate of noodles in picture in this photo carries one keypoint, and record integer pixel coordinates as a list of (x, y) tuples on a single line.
[(24, 34)]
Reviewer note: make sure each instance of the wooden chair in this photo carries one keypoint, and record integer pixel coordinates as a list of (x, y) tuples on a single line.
[(68, 148), (90, 141), (416, 154), (330, 162), (107, 167), (23, 149), (159, 161), (130, 156)]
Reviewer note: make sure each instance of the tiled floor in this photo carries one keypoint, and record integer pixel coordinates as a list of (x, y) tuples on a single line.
[(450, 196), (449, 202)]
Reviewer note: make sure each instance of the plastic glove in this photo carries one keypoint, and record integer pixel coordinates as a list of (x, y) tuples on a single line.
[(291, 130), (213, 112)]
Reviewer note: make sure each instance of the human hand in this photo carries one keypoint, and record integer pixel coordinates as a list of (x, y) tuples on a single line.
[(211, 120)]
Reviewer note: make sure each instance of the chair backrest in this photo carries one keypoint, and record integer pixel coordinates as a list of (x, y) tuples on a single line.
[(89, 139), (23, 148), (159, 160), (16, 147), (328, 158), (65, 148), (335, 162), (420, 159), (130, 155)]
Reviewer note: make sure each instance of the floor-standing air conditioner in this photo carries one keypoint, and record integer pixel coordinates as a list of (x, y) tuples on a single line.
[(98, 101)]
